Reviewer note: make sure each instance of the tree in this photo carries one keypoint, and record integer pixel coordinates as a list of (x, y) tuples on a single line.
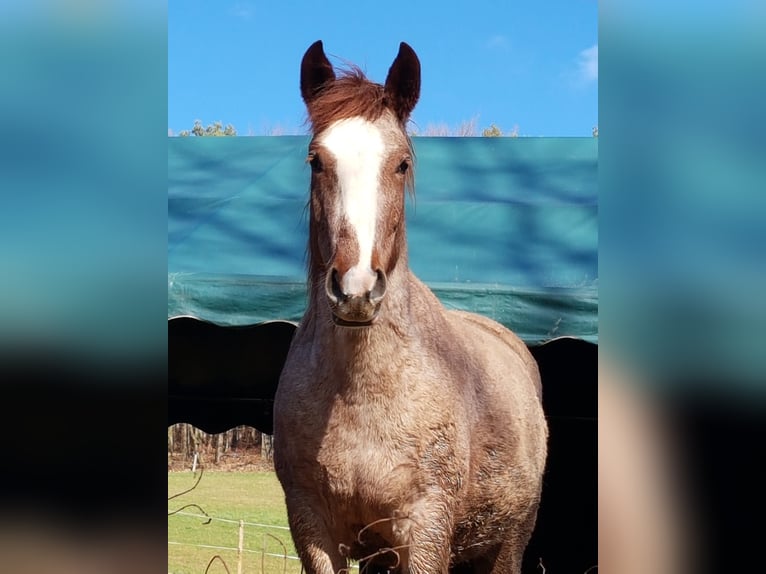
[(186, 440), (492, 132), (216, 129), (495, 132)]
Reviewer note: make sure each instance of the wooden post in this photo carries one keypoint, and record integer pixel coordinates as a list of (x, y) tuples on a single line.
[(240, 546), (266, 446), (218, 441), (194, 463)]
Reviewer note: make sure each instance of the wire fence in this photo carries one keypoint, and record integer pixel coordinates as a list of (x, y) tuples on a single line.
[(261, 548)]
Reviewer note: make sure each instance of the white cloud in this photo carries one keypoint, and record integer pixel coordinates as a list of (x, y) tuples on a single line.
[(587, 63)]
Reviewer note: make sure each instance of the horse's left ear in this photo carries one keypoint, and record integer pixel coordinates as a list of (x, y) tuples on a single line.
[(403, 82)]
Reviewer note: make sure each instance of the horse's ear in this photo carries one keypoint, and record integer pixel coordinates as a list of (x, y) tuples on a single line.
[(316, 72), (403, 82)]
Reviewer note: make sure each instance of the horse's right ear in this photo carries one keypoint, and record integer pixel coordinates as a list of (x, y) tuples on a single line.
[(316, 72)]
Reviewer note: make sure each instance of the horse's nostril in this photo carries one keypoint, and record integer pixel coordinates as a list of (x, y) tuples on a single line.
[(333, 288), (379, 289), (355, 293)]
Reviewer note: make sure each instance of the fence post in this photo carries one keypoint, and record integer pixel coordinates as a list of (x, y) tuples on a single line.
[(240, 546), (267, 442)]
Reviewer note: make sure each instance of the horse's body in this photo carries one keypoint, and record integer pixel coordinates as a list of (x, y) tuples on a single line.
[(407, 436)]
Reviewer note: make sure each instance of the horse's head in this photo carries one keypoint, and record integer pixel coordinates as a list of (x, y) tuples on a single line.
[(361, 162)]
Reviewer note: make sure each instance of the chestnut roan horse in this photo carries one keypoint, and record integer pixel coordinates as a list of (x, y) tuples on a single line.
[(407, 436)]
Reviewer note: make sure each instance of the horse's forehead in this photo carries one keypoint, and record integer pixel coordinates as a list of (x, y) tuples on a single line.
[(357, 136), (352, 137)]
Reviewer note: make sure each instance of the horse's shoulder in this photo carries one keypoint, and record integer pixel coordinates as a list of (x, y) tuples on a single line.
[(479, 327), (474, 322), (483, 323)]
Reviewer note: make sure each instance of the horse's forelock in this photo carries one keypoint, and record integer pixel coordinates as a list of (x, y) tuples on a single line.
[(350, 95)]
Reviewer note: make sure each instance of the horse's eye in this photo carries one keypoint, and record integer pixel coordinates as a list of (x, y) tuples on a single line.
[(315, 162), (403, 167)]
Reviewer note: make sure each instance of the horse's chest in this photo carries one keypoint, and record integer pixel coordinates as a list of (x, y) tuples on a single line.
[(375, 449), (365, 463)]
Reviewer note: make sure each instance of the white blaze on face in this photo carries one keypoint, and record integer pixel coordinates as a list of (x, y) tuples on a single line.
[(358, 148)]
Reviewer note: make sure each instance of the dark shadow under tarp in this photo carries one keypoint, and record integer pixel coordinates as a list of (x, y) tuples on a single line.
[(221, 377)]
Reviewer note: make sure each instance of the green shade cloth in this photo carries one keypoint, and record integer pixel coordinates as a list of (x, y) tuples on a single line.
[(505, 227)]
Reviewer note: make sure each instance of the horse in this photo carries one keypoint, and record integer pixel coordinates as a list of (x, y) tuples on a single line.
[(407, 436)]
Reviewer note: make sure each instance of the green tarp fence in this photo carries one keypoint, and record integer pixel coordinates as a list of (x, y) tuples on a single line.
[(506, 227)]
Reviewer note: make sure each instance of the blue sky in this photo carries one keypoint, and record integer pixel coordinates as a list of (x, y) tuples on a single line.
[(529, 66)]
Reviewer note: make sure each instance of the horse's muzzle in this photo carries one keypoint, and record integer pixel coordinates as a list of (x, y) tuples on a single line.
[(354, 309)]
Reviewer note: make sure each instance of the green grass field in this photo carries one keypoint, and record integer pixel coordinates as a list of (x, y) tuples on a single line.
[(255, 497)]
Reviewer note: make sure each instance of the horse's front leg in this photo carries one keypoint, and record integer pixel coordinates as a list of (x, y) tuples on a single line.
[(318, 553), (424, 534)]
